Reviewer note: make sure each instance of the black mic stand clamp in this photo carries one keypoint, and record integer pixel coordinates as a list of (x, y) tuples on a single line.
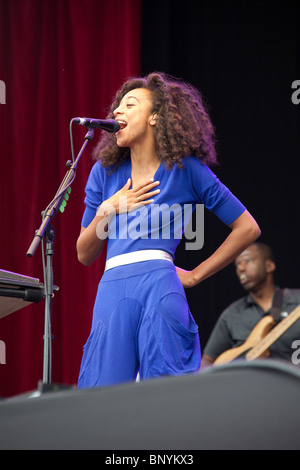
[(47, 232)]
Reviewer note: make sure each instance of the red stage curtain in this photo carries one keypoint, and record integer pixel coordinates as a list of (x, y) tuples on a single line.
[(58, 59)]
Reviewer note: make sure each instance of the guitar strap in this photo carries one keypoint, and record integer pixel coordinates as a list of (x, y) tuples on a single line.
[(276, 308)]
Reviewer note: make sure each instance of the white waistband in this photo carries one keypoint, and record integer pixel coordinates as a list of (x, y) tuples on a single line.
[(136, 257)]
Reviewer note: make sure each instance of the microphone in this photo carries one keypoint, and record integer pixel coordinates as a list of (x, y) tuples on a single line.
[(108, 125)]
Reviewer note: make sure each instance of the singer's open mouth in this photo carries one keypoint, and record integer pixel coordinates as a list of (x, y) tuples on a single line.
[(123, 124)]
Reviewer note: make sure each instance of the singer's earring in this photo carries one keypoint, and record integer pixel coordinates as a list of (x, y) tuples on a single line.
[(153, 120)]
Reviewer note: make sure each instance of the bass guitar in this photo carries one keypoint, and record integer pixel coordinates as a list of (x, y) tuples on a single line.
[(263, 335)]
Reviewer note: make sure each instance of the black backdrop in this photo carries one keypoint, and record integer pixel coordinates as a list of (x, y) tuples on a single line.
[(244, 57)]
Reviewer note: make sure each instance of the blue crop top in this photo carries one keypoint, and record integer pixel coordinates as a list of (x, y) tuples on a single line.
[(159, 225)]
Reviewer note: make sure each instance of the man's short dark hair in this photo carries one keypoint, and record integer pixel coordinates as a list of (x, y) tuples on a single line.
[(265, 250)]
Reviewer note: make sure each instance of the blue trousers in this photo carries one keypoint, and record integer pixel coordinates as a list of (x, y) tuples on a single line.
[(141, 322)]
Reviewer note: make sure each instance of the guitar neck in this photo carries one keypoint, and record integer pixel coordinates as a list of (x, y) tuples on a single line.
[(274, 334)]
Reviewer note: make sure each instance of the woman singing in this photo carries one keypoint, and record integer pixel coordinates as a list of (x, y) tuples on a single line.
[(158, 160)]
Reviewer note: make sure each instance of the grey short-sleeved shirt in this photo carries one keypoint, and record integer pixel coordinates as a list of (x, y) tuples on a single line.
[(238, 320)]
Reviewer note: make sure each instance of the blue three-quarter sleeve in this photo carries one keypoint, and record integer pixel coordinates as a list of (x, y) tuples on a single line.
[(211, 192)]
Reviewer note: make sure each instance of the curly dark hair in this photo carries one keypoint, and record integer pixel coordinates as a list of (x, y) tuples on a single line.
[(183, 126)]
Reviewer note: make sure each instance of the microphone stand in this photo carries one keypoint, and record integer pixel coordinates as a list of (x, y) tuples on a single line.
[(47, 232)]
